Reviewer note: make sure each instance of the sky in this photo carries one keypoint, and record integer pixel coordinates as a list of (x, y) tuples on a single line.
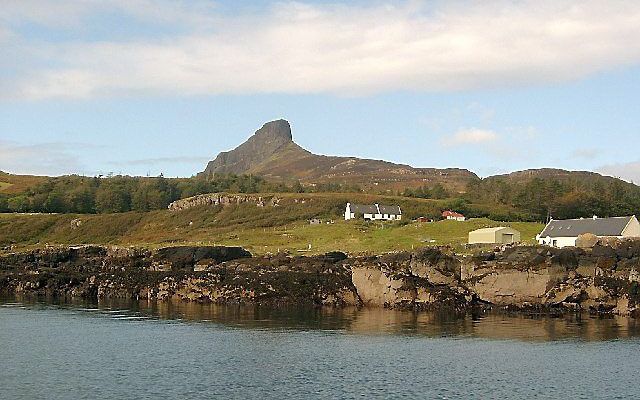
[(143, 87)]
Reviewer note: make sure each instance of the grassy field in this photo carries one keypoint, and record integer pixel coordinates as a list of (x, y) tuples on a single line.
[(260, 230)]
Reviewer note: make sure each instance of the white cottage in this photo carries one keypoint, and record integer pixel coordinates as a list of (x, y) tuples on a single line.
[(564, 233), (373, 212)]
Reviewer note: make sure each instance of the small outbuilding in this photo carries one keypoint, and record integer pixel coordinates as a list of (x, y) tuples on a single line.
[(453, 216), (498, 235)]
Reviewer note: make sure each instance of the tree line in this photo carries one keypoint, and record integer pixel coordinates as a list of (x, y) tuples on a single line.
[(113, 194), (536, 199), (540, 199)]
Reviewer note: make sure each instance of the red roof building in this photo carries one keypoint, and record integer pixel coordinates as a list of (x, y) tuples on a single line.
[(452, 215)]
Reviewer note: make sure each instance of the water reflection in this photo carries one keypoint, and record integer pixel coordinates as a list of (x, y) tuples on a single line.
[(366, 321)]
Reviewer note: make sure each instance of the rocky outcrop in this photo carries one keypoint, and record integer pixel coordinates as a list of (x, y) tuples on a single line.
[(223, 199), (602, 279), (204, 274)]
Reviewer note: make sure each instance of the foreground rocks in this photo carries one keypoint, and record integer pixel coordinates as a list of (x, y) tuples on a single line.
[(602, 278), (204, 274)]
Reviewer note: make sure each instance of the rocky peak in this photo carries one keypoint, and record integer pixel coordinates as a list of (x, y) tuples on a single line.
[(278, 130), (261, 146)]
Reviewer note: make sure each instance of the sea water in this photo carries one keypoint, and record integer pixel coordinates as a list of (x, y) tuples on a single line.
[(53, 350)]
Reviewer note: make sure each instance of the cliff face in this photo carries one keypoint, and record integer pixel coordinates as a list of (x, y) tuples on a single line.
[(214, 199), (601, 279)]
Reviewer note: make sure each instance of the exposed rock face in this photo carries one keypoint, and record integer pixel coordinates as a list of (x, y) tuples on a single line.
[(602, 279), (425, 279), (214, 199), (538, 278), (265, 142)]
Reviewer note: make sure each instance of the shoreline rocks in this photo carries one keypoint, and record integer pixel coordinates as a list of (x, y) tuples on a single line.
[(603, 279)]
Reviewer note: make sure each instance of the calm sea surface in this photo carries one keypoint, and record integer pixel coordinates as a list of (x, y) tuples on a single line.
[(149, 351)]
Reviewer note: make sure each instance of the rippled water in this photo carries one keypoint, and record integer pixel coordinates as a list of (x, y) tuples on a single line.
[(76, 350)]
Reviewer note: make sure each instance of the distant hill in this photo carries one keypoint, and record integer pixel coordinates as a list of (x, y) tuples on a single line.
[(560, 175), (272, 153), (12, 184), (271, 162)]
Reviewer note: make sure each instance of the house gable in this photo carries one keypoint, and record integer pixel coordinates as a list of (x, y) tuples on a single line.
[(632, 229)]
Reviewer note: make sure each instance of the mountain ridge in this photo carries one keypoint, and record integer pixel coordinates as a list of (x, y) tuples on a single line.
[(272, 153)]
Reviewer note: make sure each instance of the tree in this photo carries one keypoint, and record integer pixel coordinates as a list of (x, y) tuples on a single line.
[(439, 192), (112, 199), (55, 202), (4, 206), (82, 200), (18, 204)]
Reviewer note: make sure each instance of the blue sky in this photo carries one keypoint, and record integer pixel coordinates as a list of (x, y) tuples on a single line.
[(143, 87)]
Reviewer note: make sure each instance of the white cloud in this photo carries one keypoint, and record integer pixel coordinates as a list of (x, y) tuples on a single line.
[(339, 49), (470, 136), (628, 171), (41, 159), (164, 161), (585, 153)]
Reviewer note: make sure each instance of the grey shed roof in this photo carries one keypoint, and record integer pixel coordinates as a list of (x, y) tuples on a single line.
[(364, 209), (575, 227), (393, 210)]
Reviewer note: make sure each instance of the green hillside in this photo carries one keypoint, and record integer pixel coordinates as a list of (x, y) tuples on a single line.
[(259, 229)]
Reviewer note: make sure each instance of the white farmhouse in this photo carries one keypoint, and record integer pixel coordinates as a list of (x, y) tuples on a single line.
[(563, 233), (373, 212)]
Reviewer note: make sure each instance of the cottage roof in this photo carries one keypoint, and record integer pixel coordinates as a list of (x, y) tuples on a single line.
[(597, 226), (364, 209), (374, 208), (450, 213), (392, 210)]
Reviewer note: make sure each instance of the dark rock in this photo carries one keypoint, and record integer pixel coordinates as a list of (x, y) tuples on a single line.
[(600, 250), (566, 258), (335, 256), (185, 257)]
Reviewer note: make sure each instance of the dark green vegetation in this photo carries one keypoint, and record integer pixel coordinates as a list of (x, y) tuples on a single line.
[(530, 196), (90, 195), (558, 194)]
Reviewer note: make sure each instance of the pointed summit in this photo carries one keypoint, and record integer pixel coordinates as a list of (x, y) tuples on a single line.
[(267, 141), (275, 130)]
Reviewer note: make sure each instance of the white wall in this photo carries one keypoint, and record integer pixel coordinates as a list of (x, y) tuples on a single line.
[(559, 241), (347, 213)]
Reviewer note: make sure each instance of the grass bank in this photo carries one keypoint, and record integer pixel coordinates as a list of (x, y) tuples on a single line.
[(258, 229)]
